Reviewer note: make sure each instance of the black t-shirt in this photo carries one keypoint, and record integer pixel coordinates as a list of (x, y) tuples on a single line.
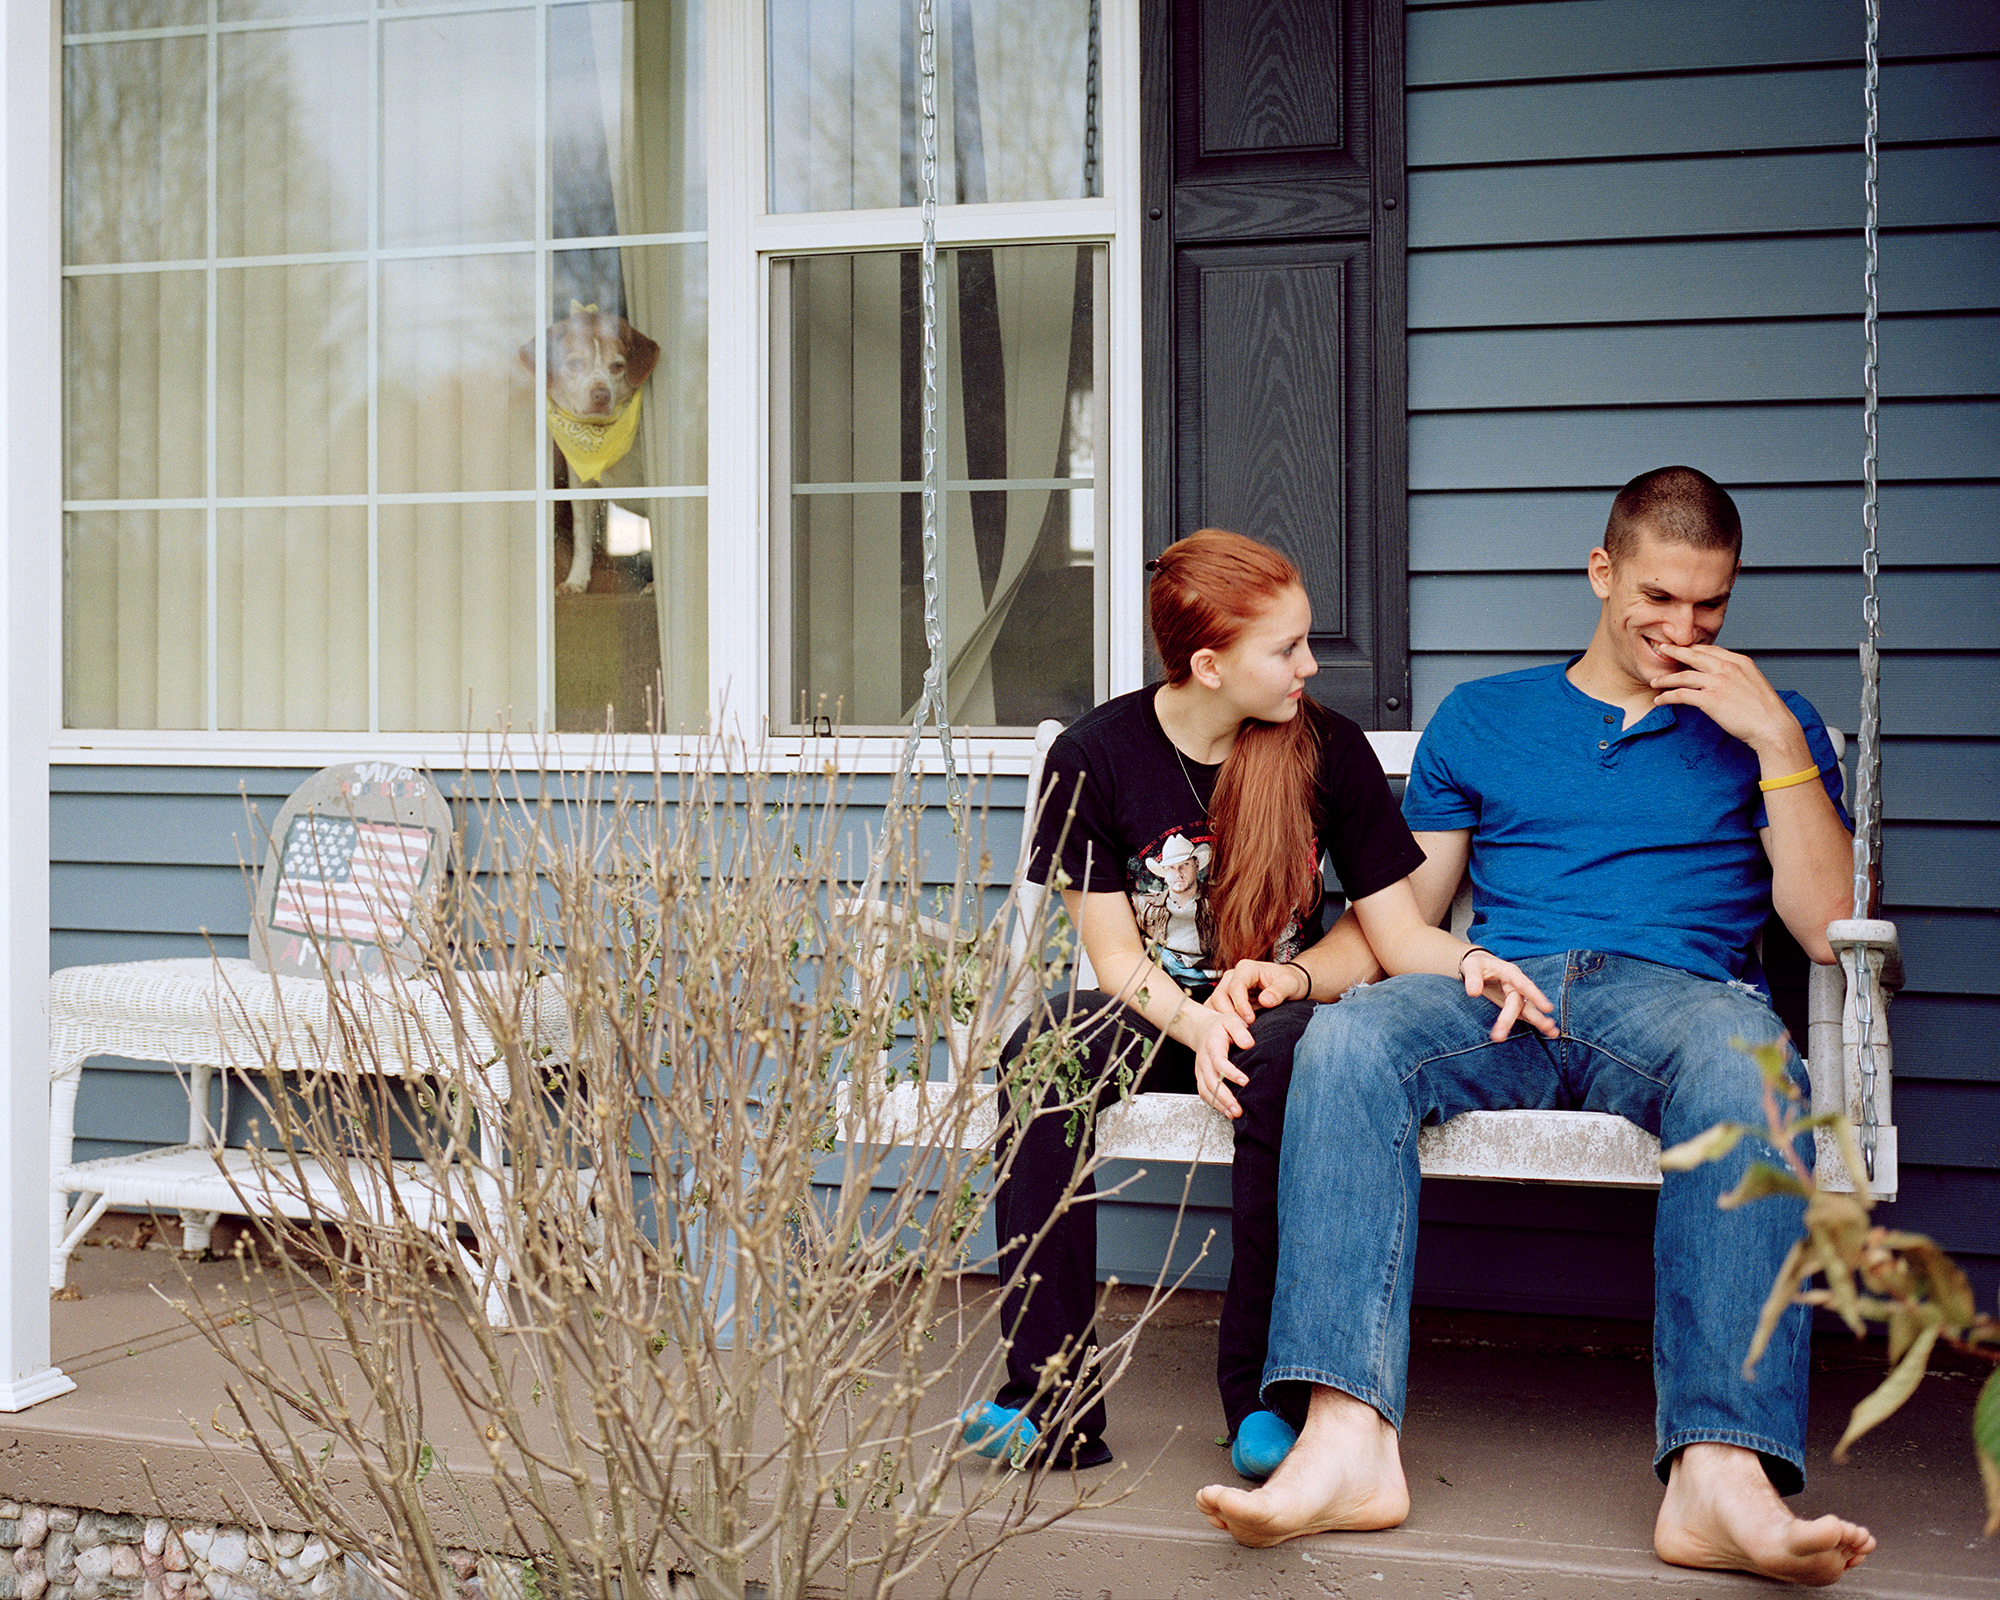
[(1141, 827)]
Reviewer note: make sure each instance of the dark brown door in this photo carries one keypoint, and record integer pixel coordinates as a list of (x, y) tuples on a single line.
[(1274, 348)]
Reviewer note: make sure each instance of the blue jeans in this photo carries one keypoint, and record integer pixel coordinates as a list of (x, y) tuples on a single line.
[(1650, 1043)]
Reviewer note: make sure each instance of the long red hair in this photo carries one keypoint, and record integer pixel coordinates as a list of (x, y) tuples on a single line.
[(1207, 588)]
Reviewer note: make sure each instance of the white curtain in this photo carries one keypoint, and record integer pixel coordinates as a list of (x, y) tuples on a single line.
[(1036, 290), (1008, 320)]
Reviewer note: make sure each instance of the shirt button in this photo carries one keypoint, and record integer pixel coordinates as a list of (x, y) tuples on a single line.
[(1604, 744), (1607, 719)]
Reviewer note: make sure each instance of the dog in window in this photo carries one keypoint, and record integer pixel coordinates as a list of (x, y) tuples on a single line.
[(597, 366)]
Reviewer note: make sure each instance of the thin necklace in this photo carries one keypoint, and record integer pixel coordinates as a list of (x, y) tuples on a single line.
[(1190, 780)]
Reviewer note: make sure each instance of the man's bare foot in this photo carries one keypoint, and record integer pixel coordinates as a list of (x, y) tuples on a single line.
[(1345, 1473), (1721, 1511)]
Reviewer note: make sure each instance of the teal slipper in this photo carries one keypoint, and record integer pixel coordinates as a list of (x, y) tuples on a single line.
[(995, 1431), (1263, 1440)]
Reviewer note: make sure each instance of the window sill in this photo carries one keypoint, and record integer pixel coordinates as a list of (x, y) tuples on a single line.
[(978, 757)]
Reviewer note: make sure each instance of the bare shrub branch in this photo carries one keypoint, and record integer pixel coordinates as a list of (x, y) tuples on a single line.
[(735, 1232)]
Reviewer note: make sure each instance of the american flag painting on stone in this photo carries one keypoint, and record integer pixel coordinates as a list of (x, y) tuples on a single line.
[(342, 879)]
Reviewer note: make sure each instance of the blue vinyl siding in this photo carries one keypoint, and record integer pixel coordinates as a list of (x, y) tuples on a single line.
[(1635, 239)]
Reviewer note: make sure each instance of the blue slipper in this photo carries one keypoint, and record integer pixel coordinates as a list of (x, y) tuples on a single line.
[(995, 1431), (1263, 1440)]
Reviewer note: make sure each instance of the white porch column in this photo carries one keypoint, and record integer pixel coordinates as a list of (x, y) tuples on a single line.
[(30, 503)]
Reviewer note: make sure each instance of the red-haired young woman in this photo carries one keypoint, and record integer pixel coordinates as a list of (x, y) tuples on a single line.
[(1185, 825)]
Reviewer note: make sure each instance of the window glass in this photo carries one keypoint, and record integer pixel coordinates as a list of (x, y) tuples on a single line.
[(291, 378), (134, 182), (103, 16), (625, 129), (1017, 104), (291, 141), (455, 399), (130, 658), (292, 617), (238, 10), (135, 408), (313, 273), (457, 596), (1018, 525)]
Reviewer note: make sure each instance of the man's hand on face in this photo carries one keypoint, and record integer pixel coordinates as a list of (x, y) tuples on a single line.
[(1734, 695)]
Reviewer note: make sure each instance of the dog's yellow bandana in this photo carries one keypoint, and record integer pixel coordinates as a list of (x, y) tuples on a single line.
[(593, 448)]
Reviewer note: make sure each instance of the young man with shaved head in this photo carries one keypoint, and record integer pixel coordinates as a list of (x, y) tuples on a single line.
[(1630, 819)]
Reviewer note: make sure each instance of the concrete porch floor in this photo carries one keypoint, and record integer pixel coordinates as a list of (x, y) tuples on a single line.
[(1527, 1447)]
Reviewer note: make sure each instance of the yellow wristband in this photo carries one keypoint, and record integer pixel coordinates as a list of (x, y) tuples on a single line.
[(1768, 784)]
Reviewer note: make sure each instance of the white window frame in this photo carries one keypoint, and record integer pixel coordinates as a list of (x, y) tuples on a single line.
[(743, 237)]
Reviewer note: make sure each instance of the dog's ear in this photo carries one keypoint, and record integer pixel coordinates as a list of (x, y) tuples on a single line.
[(641, 354), (528, 354)]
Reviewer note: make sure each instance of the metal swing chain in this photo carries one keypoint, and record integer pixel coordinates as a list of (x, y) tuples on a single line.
[(1868, 757), (1090, 82), (932, 700)]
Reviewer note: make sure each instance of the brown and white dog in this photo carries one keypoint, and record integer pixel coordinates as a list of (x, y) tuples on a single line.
[(597, 365)]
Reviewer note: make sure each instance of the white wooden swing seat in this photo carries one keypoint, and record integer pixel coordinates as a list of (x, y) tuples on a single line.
[(1581, 1147)]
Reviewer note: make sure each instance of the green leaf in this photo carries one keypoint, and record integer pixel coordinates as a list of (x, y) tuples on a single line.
[(1760, 1182), (426, 1459), (1783, 1288), (1891, 1393), (1703, 1147), (1770, 1059), (1904, 1325), (1989, 1474), (1986, 1444), (1850, 1153), (1939, 1280), (1986, 1419)]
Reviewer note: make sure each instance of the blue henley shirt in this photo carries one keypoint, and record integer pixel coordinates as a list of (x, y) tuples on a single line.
[(1587, 835)]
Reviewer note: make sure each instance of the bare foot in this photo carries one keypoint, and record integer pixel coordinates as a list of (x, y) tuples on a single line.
[(1722, 1512), (1345, 1473)]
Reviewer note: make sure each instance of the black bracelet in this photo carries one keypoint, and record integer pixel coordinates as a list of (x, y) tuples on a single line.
[(1469, 949), (1309, 978)]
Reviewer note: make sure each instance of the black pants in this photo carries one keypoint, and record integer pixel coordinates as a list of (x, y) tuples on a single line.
[(1060, 1310)]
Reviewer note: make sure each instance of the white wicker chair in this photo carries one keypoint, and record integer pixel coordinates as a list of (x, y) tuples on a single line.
[(376, 1011)]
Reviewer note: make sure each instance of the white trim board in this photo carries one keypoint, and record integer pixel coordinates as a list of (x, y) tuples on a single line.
[(30, 492)]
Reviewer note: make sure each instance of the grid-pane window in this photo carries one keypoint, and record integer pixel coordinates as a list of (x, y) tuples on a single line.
[(385, 375), (1017, 102), (1018, 517), (1020, 346)]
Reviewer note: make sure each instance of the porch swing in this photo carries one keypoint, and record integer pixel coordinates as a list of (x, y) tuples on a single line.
[(1846, 1003)]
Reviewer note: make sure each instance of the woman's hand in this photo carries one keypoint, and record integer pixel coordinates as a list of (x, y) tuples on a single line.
[(1509, 988), (1214, 1072), (1253, 986)]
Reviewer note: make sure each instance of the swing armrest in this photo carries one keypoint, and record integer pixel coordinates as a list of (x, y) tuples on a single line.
[(1871, 934), (882, 914), (1870, 970)]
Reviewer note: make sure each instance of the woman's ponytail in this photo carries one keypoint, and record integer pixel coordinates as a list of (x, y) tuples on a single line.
[(1207, 588)]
